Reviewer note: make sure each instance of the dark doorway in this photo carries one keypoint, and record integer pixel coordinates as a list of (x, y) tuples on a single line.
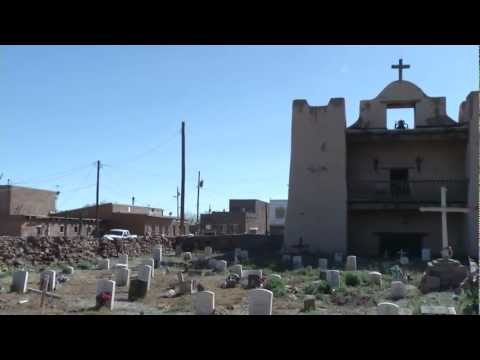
[(399, 182), (392, 243)]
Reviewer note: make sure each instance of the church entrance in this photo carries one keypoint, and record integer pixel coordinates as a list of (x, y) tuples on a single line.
[(392, 243)]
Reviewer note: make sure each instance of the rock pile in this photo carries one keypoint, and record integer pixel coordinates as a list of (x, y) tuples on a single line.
[(18, 252)]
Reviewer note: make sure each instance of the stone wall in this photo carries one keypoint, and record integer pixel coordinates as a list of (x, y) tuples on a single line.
[(18, 252)]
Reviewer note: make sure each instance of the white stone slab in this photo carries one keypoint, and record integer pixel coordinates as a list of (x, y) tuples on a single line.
[(204, 302), (437, 310), (398, 290), (323, 264), (260, 302), (20, 281), (351, 264), (52, 279), (375, 278), (387, 308), (109, 287), (150, 262), (122, 277), (333, 278), (426, 255), (123, 259), (297, 262), (145, 274), (104, 264)]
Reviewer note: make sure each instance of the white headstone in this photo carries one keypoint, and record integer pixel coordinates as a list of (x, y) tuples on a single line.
[(260, 302), (246, 273), (104, 264), (52, 279), (404, 260), (109, 287), (323, 264), (204, 302), (275, 276), (333, 278), (387, 308), (338, 257), (123, 259), (237, 269), (187, 256), (208, 251), (243, 255), (150, 262), (351, 263), (145, 274), (437, 310), (426, 255), (122, 277), (221, 265), (375, 278), (120, 266), (157, 254), (297, 262), (180, 277), (398, 290), (20, 281)]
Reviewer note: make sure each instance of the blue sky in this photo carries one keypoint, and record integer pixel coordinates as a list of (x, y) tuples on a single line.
[(64, 107)]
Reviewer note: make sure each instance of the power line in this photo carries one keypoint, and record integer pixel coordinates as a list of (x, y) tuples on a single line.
[(53, 176)]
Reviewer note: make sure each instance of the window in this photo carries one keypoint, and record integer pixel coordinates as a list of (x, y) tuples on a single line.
[(75, 229), (279, 213), (399, 182), (62, 228), (394, 117)]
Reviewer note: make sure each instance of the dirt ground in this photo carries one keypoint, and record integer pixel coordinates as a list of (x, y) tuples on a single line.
[(78, 294)]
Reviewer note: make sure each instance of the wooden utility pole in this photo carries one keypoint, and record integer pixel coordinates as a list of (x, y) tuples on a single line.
[(182, 205), (97, 229), (133, 200), (199, 185), (266, 218)]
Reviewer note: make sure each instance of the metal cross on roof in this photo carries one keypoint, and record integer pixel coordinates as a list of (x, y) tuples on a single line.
[(400, 68)]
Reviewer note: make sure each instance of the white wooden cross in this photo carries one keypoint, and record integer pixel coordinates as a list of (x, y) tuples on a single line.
[(443, 209)]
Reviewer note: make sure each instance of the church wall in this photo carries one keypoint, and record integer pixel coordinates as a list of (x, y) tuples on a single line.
[(363, 224), (471, 111), (317, 201)]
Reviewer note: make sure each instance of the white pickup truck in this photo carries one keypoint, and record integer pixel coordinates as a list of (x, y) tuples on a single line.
[(119, 234)]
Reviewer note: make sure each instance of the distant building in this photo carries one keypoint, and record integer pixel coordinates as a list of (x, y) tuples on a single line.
[(276, 216), (31, 212), (244, 216), (138, 220)]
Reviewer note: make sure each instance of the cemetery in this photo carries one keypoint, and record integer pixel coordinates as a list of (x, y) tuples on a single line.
[(209, 282)]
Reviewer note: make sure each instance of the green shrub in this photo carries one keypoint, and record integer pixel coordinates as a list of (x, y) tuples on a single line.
[(85, 265), (352, 279), (277, 286), (318, 287)]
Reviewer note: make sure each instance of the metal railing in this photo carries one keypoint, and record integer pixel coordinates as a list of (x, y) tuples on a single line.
[(415, 191)]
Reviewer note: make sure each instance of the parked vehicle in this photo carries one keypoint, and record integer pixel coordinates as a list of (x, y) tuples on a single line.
[(119, 234)]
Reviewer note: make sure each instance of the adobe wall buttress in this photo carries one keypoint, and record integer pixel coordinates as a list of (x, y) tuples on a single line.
[(317, 199)]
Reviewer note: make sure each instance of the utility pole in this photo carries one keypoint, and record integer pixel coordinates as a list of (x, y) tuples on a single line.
[(177, 196), (199, 185), (182, 209), (97, 229), (266, 218), (133, 200)]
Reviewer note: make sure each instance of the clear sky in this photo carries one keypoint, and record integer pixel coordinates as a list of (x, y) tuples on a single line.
[(64, 107)]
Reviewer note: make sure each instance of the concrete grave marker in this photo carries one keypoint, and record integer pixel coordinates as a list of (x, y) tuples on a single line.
[(437, 310), (122, 277), (120, 266), (150, 262), (52, 279), (297, 262), (260, 302), (204, 303), (178, 250), (387, 308), (398, 290), (208, 251), (187, 256), (333, 278), (309, 303), (351, 263), (338, 257), (123, 259), (104, 264), (237, 269), (19, 281), (69, 270), (180, 277), (212, 263), (107, 286), (221, 265), (145, 274), (323, 264), (375, 278), (246, 273), (157, 255)]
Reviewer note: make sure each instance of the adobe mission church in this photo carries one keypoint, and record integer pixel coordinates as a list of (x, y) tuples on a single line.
[(359, 189)]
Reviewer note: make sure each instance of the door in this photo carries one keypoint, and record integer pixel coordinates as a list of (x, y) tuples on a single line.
[(399, 182)]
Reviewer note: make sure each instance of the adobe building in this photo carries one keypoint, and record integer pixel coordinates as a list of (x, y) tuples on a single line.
[(244, 216), (358, 189), (138, 220), (277, 213), (31, 212)]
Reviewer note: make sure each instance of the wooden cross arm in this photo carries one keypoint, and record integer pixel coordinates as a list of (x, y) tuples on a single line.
[(440, 209)]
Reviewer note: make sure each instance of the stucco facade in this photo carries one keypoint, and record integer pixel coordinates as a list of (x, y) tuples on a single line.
[(359, 189)]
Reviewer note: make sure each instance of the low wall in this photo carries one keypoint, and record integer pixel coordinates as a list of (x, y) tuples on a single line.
[(250, 242)]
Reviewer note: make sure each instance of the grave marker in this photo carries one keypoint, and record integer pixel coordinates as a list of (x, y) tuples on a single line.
[(221, 265), (52, 281), (151, 263), (104, 264), (387, 308), (437, 310), (338, 257), (398, 290), (157, 255), (351, 263), (123, 259), (106, 286), (122, 277), (323, 264), (204, 303), (426, 255), (145, 274), (333, 278), (260, 302), (208, 251), (237, 269), (19, 281), (375, 278)]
